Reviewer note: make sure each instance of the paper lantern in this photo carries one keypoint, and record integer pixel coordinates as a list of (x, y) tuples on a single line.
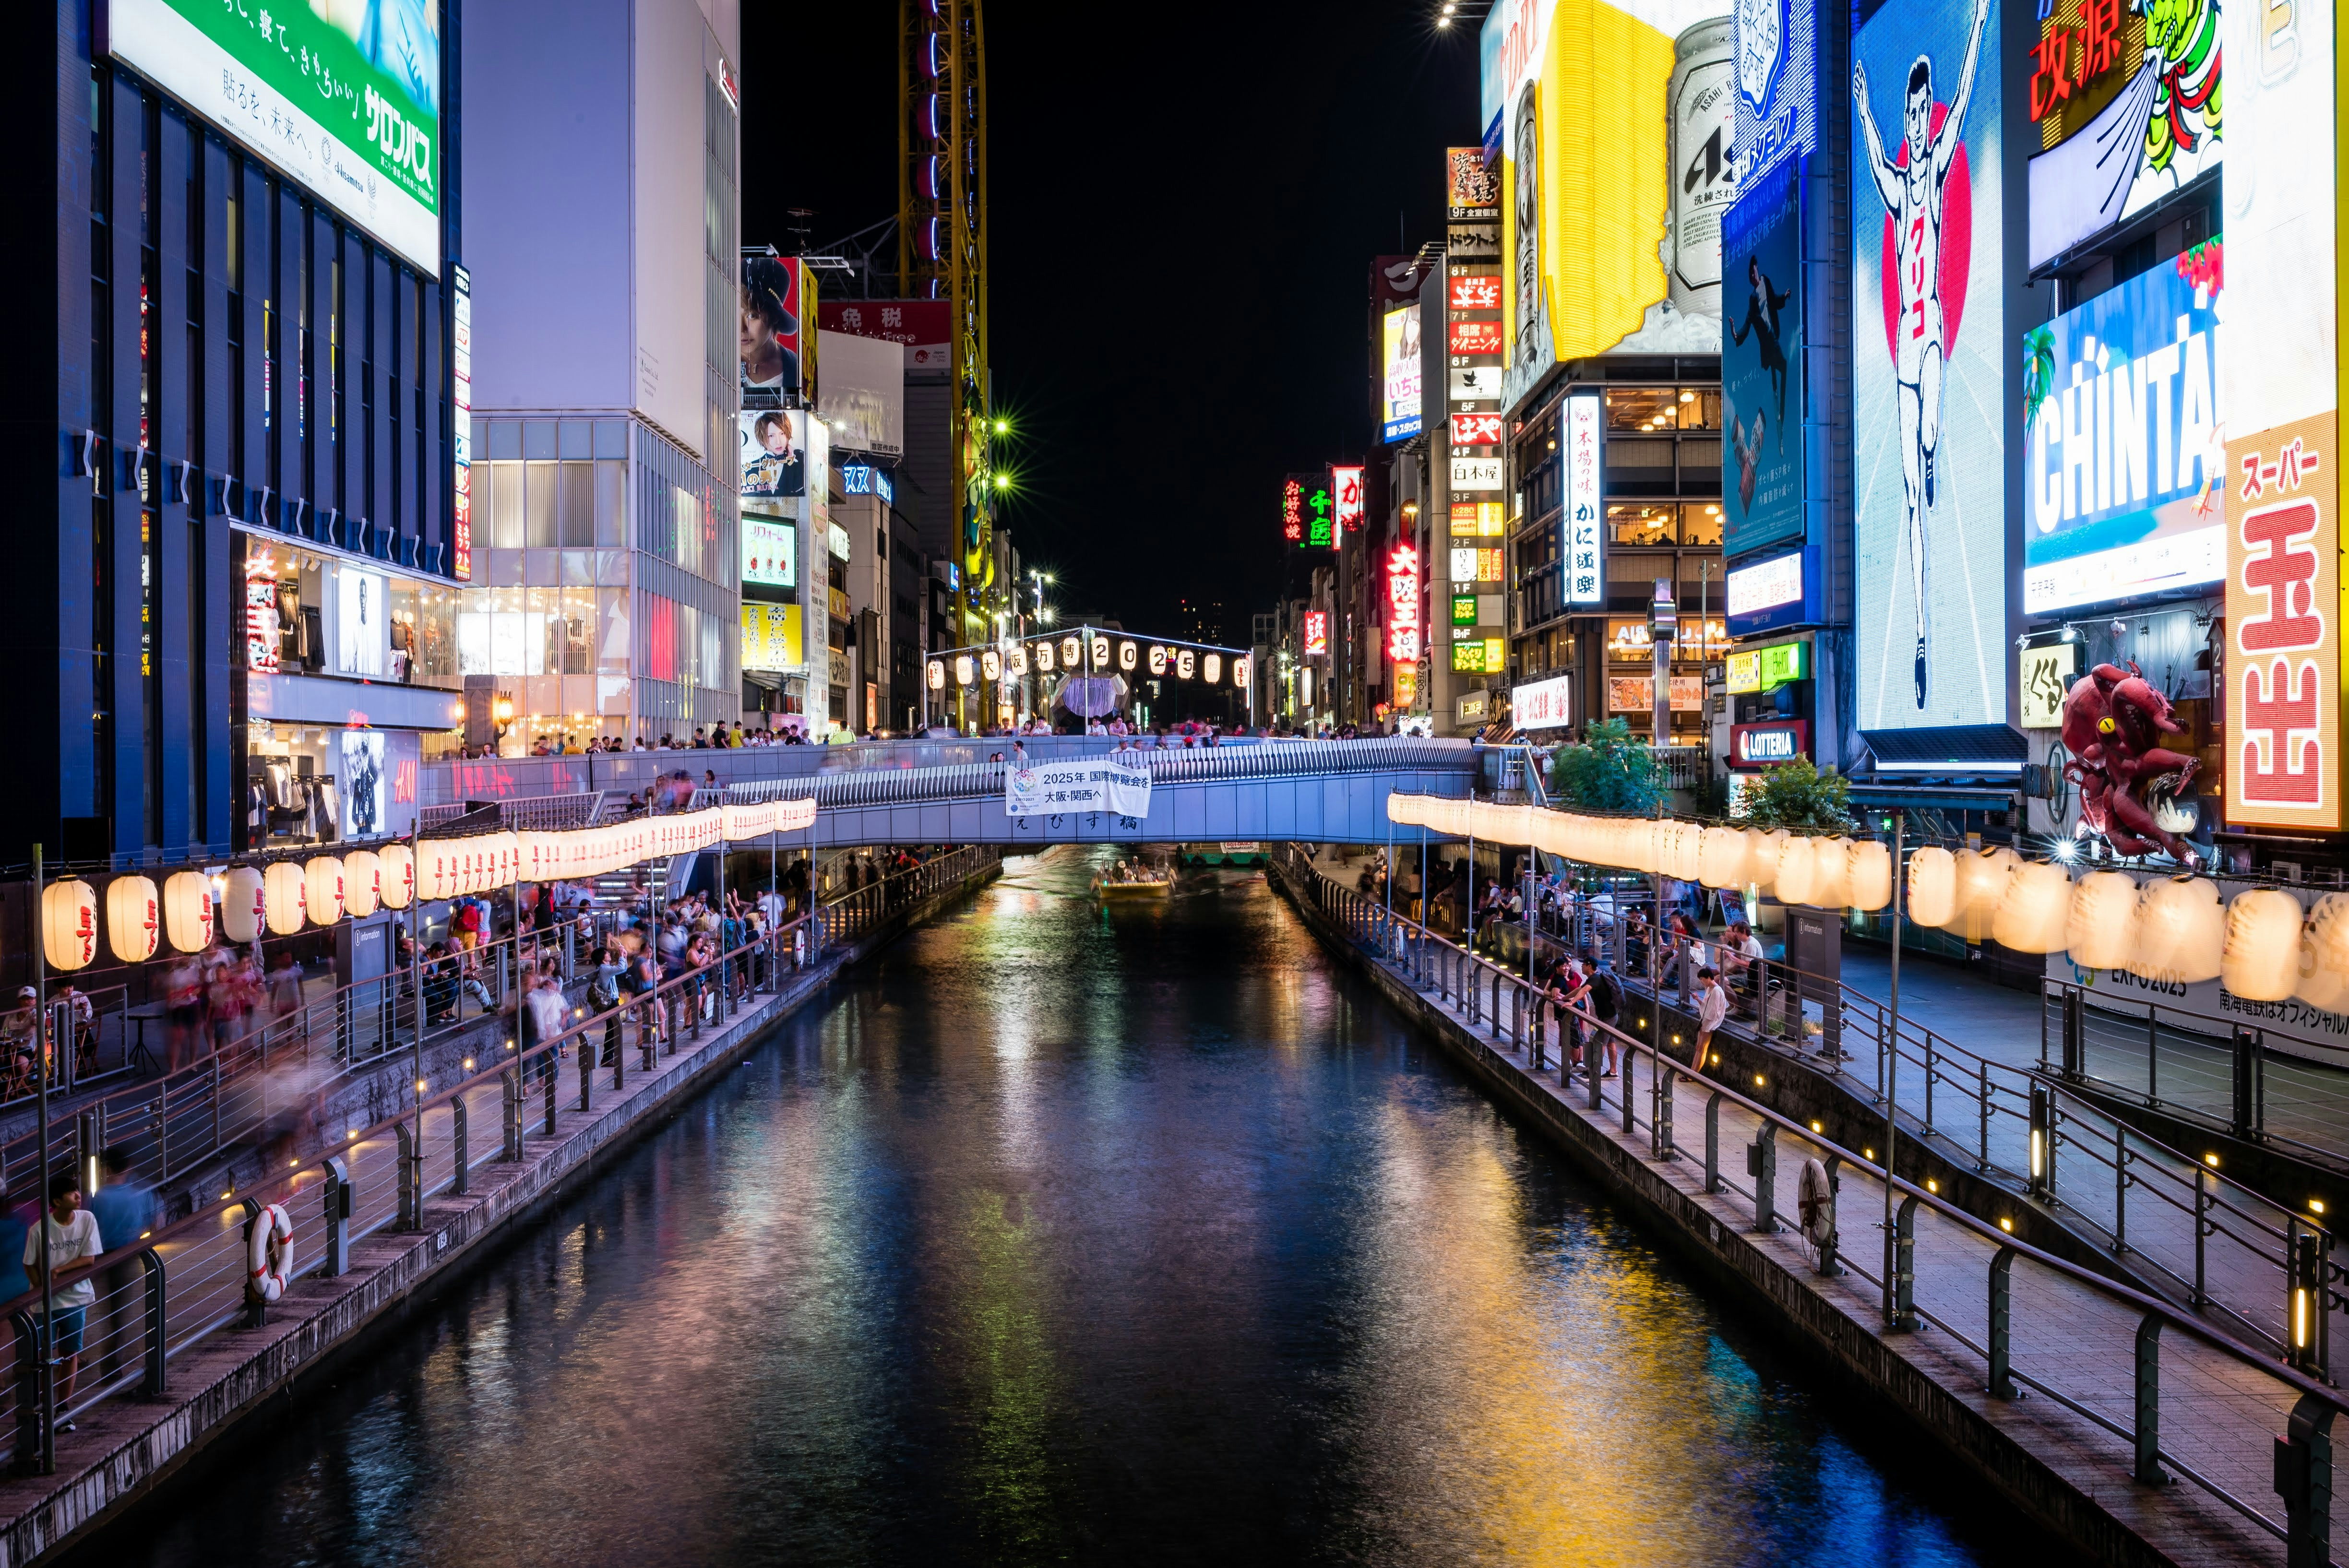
[(2325, 985), (1044, 660), (436, 871), (188, 911), (1129, 655), (990, 665), (133, 912), (1798, 869), (1932, 886), (1211, 668), (1831, 874), (2102, 932), (1185, 663), (322, 890), (1069, 652), (1763, 853), (1018, 658), (963, 669), (2262, 958), (1682, 845), (1157, 660), (937, 674), (244, 905), (362, 883), (1721, 858), (1240, 672), (286, 888), (2034, 912), (70, 923), (1869, 875), (1982, 876), (2181, 932), (1101, 652), (505, 859), (396, 875)]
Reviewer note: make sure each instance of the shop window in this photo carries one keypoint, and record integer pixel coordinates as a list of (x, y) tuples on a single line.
[(1701, 524), (1643, 524)]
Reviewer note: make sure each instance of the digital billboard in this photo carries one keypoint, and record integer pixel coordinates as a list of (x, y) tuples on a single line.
[(863, 397), (1400, 400), (1778, 88), (773, 330), (774, 451), (1929, 360), (922, 328), (2125, 445), (1614, 179), (2281, 373), (770, 638), (2125, 102), (343, 98), (1764, 397), (770, 550)]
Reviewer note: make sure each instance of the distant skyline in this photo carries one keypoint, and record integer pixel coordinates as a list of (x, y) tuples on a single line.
[(1179, 299)]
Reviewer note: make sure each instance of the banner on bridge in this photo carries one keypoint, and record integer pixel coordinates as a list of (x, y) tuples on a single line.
[(1079, 784)]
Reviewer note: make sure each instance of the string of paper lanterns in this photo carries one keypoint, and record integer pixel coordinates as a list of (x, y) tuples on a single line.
[(2261, 944), (190, 910)]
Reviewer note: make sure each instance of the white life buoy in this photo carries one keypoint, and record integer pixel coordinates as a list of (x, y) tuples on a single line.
[(269, 1252), (1818, 1204)]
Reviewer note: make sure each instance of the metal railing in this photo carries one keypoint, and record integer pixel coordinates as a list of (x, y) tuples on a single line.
[(2115, 1361), (184, 1281), (529, 814)]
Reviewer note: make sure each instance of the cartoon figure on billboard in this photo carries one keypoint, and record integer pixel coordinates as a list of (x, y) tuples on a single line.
[(1911, 188), (1762, 322)]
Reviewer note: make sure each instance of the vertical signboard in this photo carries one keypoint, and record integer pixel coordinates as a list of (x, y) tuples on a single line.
[(1471, 189), (2280, 372), (1305, 503), (1586, 549), (460, 367), (1399, 403), (1775, 47), (1929, 367), (1763, 396), (1348, 504)]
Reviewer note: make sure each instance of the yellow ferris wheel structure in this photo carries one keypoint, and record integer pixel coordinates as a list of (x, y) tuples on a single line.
[(942, 246)]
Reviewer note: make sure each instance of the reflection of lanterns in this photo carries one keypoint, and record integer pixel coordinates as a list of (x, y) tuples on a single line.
[(990, 665), (70, 923), (322, 890), (362, 882), (130, 918), (1240, 672), (2035, 910), (1018, 658), (1184, 663), (1157, 660), (1933, 887), (187, 912), (285, 889), (937, 674), (1069, 652), (1129, 654), (244, 905), (1044, 657), (2262, 960), (396, 875), (962, 669), (1211, 669)]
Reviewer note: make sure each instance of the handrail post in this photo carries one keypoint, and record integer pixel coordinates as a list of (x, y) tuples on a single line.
[(1982, 1160), (1762, 1164), (2309, 1320), (2042, 1144), (510, 1087), (461, 1165), (35, 1431), (1630, 1059), (157, 1383), (586, 1080), (411, 1209), (1901, 1243), (2304, 1478), (550, 1080), (1713, 1143), (335, 1209), (2240, 1121), (2002, 1326), (1665, 1077), (2149, 1402)]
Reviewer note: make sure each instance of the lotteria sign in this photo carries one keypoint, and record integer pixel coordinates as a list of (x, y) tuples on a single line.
[(1760, 745), (345, 99)]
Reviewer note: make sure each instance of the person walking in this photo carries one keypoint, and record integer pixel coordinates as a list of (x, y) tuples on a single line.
[(1606, 1007), (125, 1208), (1711, 1009), (74, 1250)]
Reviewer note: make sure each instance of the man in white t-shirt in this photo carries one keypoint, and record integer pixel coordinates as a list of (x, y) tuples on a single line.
[(1712, 1011), (74, 1248)]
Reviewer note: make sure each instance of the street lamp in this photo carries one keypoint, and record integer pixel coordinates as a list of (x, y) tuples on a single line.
[(502, 714)]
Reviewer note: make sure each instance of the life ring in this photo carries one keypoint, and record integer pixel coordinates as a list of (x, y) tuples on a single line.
[(269, 1252), (1816, 1205)]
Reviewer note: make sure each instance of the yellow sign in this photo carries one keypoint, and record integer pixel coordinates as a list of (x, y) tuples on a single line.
[(770, 636), (2043, 670), (1745, 672)]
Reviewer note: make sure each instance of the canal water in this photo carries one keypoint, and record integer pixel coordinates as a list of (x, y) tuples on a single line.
[(1071, 1234)]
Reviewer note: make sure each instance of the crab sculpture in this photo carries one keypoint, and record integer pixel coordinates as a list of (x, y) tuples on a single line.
[(2132, 787)]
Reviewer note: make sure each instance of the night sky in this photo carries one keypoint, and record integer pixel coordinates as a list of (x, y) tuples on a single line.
[(1182, 228)]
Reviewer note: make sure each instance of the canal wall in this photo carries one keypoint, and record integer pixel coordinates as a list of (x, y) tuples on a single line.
[(2059, 1483), (233, 1375)]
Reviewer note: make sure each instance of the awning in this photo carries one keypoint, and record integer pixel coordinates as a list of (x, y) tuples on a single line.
[(1936, 796)]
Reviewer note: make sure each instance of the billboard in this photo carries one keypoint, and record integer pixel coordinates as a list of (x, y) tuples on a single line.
[(2124, 451), (774, 451), (1614, 181), (1928, 536), (772, 340), (1471, 206), (1352, 506), (2281, 378), (1400, 376), (1776, 45), (1316, 633), (770, 550), (2125, 101), (924, 329), (863, 398), (770, 636), (1305, 512), (343, 98), (1541, 704), (1584, 516), (1761, 364)]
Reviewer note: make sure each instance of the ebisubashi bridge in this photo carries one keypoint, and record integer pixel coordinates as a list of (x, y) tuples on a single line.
[(953, 791)]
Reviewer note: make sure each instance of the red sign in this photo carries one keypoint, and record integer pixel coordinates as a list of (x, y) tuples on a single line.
[(1473, 292), (1476, 429), (1346, 484), (1761, 745), (2283, 667), (892, 320), (1317, 632), (1475, 338), (1402, 604)]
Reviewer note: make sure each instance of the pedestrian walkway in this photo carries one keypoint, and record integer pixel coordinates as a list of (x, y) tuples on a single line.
[(2074, 1345)]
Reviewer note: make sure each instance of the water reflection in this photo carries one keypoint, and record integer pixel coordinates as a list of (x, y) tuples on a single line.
[(1072, 1235)]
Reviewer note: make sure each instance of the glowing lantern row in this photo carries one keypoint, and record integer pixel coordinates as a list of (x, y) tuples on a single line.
[(188, 911), (70, 923), (244, 905), (362, 883), (285, 885), (133, 913), (1128, 656)]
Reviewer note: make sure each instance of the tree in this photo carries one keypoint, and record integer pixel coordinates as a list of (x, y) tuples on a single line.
[(1798, 797), (1610, 772)]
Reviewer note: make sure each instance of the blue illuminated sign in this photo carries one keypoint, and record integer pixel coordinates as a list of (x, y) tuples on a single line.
[(862, 478)]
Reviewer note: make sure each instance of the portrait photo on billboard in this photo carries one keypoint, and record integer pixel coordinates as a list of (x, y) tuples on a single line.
[(1400, 360), (366, 785), (1763, 393), (775, 452), (770, 328), (1929, 367), (2125, 112)]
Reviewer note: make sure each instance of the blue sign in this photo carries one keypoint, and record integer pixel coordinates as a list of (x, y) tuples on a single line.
[(1764, 400), (1774, 42), (2125, 459), (862, 478), (1774, 592)]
